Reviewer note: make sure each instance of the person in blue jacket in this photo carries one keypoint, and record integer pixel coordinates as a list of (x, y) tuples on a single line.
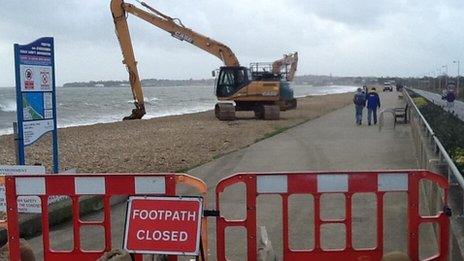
[(373, 102)]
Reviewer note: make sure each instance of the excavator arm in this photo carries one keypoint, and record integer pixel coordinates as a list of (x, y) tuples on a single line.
[(173, 26), (288, 60), (122, 32)]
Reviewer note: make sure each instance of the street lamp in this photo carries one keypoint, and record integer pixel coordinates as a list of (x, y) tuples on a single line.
[(446, 69), (457, 82), (439, 78), (446, 76)]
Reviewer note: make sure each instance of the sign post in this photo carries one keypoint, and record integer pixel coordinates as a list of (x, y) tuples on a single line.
[(35, 95), (163, 225)]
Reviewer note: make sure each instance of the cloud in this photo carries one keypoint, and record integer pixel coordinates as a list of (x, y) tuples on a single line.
[(385, 37)]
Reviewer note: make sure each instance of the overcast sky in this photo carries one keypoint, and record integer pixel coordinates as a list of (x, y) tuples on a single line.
[(349, 38)]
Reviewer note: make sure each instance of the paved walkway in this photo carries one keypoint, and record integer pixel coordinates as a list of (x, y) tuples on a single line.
[(331, 142), (436, 98)]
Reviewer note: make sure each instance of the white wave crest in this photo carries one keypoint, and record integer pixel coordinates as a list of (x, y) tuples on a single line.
[(147, 100), (8, 106)]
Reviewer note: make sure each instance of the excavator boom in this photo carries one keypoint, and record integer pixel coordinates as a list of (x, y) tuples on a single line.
[(179, 31), (288, 60), (174, 26), (122, 32)]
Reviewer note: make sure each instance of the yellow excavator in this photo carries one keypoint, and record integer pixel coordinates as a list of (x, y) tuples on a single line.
[(281, 66), (238, 88)]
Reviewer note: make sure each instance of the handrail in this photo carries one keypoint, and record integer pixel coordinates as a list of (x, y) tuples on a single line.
[(420, 115), (454, 170)]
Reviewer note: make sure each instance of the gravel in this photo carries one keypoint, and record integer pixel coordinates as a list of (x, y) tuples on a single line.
[(168, 144)]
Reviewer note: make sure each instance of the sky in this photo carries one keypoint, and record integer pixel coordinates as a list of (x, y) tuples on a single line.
[(342, 38)]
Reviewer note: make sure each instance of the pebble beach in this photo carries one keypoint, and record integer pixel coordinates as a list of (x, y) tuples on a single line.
[(166, 144)]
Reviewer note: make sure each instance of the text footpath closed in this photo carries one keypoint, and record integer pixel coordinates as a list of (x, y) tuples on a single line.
[(163, 225)]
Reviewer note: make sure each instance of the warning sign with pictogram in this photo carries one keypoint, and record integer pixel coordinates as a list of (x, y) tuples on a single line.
[(28, 79), (45, 80), (163, 225)]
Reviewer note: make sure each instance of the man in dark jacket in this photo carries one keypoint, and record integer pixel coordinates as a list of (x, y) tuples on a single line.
[(359, 101), (373, 102)]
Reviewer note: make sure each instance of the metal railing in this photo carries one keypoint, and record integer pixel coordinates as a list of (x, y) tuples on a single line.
[(453, 171), (433, 155)]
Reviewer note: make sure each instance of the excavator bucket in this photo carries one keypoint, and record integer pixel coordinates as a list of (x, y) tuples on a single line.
[(137, 113)]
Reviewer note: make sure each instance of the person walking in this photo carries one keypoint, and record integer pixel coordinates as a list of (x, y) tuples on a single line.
[(373, 102), (450, 97), (359, 101), (365, 89)]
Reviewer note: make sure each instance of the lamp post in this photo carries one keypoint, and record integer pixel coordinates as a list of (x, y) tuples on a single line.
[(457, 82), (445, 84), (439, 78), (446, 69)]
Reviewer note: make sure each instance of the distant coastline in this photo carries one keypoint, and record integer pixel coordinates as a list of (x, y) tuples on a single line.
[(145, 83), (314, 80)]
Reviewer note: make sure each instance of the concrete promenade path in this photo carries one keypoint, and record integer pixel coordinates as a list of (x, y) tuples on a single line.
[(331, 142)]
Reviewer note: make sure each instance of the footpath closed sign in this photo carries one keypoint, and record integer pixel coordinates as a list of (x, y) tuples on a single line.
[(161, 225)]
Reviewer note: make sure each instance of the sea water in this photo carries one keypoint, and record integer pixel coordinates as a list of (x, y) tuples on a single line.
[(85, 106)]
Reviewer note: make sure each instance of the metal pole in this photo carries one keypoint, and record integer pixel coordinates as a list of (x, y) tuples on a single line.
[(445, 84), (457, 82), (439, 79), (16, 141), (439, 83), (19, 109)]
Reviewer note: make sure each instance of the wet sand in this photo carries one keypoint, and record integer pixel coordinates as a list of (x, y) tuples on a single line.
[(168, 144)]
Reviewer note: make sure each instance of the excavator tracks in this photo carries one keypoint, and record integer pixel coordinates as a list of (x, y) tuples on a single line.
[(268, 112), (271, 112), (225, 111)]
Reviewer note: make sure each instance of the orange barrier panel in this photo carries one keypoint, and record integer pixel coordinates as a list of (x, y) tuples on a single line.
[(347, 184), (77, 185)]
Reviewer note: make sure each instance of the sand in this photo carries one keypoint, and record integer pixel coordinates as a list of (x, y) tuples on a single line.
[(168, 144)]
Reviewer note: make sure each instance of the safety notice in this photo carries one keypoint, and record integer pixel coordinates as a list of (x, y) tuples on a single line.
[(26, 204), (163, 225)]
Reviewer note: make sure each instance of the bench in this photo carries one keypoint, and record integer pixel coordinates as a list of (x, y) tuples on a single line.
[(381, 117), (401, 114)]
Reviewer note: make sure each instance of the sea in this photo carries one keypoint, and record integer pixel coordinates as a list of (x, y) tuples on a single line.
[(78, 106)]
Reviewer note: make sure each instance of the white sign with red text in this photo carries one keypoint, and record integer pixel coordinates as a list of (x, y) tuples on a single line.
[(35, 78), (163, 225), (26, 204)]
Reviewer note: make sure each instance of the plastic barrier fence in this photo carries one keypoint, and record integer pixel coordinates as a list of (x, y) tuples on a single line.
[(345, 183), (77, 186), (3, 220)]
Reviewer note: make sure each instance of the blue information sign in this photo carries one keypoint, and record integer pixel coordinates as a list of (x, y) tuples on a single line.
[(35, 95)]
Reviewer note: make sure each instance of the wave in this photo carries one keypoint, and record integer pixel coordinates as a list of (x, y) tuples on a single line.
[(185, 111), (8, 106), (174, 103), (147, 100)]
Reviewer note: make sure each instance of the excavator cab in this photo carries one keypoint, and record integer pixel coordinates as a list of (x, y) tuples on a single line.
[(231, 79)]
